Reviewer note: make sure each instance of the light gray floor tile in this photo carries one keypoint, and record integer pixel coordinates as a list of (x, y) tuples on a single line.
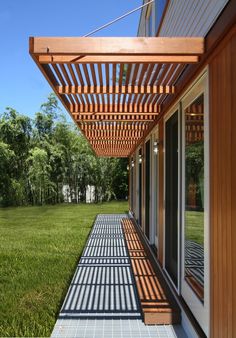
[(103, 287)]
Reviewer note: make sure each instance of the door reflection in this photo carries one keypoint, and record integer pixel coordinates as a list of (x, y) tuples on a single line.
[(194, 196)]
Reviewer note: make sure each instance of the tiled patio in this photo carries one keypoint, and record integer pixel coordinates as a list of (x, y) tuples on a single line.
[(102, 300)]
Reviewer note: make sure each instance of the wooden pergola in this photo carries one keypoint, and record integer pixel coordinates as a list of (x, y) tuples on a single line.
[(114, 87)]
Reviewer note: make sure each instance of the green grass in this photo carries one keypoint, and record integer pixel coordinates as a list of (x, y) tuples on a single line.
[(39, 250), (194, 226)]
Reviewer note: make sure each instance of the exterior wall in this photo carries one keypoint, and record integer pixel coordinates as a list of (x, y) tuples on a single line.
[(222, 161), (190, 18), (157, 8), (182, 18), (222, 71)]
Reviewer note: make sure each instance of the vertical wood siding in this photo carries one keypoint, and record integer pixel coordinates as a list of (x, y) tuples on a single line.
[(222, 90)]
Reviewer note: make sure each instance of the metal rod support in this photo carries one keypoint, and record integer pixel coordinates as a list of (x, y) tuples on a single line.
[(117, 19)]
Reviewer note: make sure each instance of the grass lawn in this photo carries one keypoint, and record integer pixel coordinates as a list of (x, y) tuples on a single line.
[(194, 226), (39, 250)]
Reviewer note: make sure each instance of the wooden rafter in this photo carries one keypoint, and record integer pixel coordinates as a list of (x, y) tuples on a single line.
[(114, 87)]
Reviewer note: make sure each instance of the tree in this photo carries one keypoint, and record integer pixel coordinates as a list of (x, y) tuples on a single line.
[(40, 156), (39, 176)]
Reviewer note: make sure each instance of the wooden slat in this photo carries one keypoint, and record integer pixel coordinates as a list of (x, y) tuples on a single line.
[(115, 118), (155, 74), (165, 69), (117, 46), (93, 75), (77, 67), (132, 108), (120, 113), (64, 72), (59, 75), (86, 73), (134, 75), (176, 74), (132, 126), (97, 133), (135, 89), (171, 70), (121, 75), (107, 74), (149, 74), (72, 73), (100, 75), (127, 78), (143, 72), (114, 75), (76, 99)]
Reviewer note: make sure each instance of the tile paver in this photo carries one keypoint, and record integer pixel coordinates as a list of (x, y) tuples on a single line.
[(102, 299)]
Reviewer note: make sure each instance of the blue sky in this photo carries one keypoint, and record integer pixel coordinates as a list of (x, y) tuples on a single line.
[(23, 87)]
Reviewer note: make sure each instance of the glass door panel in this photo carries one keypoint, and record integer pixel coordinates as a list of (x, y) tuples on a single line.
[(195, 202), (140, 186), (194, 196), (171, 197), (147, 189), (155, 192)]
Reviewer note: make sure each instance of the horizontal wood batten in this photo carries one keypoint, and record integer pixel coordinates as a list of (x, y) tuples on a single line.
[(115, 89), (113, 118), (111, 127), (89, 59), (117, 45), (115, 108)]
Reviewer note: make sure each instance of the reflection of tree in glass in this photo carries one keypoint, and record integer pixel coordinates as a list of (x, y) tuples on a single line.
[(194, 157)]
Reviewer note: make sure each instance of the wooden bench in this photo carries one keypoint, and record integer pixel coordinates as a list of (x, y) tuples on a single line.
[(157, 303)]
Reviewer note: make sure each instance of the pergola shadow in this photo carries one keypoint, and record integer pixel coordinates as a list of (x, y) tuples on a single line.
[(103, 284)]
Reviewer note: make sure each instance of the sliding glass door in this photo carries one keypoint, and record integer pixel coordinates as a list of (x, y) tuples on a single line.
[(147, 189), (140, 173), (171, 196), (195, 270)]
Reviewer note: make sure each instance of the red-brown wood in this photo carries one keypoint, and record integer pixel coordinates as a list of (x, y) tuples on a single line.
[(158, 306)]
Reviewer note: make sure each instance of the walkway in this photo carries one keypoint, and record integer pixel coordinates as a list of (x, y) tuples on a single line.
[(102, 300)]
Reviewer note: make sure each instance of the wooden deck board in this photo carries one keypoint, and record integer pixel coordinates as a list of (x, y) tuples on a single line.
[(157, 304)]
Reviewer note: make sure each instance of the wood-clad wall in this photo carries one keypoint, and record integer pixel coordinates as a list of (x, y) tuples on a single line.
[(222, 95)]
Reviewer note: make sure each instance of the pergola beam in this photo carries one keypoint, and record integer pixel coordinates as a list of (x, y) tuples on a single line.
[(117, 46), (100, 59), (115, 89)]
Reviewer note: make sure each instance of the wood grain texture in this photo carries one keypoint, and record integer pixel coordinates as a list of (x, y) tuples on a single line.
[(157, 304), (117, 45), (222, 70), (131, 89)]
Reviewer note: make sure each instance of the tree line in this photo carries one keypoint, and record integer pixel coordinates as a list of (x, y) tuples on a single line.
[(40, 156)]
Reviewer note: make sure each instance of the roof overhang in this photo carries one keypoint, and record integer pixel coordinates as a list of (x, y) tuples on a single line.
[(114, 87)]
